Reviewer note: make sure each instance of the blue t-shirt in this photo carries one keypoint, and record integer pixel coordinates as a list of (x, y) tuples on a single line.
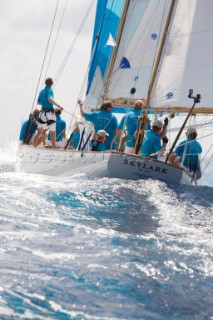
[(132, 125), (100, 146), (31, 128), (151, 143), (43, 97), (103, 120), (189, 149), (60, 127), (75, 138)]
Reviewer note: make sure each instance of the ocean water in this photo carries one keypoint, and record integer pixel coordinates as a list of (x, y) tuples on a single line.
[(83, 248)]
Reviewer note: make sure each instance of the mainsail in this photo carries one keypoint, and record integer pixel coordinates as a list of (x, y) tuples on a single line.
[(185, 61), (140, 40), (187, 58)]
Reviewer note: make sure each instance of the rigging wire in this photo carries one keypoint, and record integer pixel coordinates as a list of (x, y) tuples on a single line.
[(94, 51), (73, 43), (76, 111), (45, 55), (53, 48), (210, 159)]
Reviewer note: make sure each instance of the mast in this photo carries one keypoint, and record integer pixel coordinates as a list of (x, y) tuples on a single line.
[(140, 133), (160, 50), (118, 38)]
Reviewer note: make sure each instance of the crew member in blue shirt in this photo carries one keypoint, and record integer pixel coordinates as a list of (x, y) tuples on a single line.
[(188, 151), (131, 122), (75, 137), (60, 131), (29, 128), (152, 140), (99, 143), (102, 120), (47, 114)]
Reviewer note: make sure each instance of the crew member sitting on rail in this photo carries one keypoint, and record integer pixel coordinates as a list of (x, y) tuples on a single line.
[(188, 151), (99, 143), (29, 128), (74, 141), (152, 140)]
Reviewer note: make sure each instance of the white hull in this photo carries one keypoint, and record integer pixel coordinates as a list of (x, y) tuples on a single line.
[(96, 164)]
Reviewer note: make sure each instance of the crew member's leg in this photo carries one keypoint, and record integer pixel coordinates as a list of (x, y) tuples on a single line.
[(37, 139), (53, 138), (52, 127)]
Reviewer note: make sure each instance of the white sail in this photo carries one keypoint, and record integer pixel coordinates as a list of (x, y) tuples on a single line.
[(187, 57), (142, 32), (93, 97)]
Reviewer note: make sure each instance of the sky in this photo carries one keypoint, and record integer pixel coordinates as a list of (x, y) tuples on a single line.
[(25, 27)]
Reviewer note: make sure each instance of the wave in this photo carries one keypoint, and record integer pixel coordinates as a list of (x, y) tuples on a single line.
[(89, 248)]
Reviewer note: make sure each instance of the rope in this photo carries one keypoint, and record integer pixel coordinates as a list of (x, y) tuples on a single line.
[(76, 110), (206, 166), (53, 48), (73, 43), (45, 55)]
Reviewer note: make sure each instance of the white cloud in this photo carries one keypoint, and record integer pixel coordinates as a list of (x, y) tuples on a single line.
[(24, 31)]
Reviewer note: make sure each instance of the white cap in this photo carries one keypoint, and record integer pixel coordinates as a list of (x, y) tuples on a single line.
[(102, 133), (191, 130), (158, 124)]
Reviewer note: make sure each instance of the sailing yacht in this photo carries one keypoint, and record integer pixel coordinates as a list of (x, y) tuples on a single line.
[(155, 50)]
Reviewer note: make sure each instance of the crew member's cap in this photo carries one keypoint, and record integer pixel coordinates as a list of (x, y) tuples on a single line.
[(158, 124), (191, 130), (102, 133)]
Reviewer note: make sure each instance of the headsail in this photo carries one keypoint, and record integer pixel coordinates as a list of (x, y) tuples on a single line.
[(108, 14)]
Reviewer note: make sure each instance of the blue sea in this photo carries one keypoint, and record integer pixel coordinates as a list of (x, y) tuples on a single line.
[(104, 249)]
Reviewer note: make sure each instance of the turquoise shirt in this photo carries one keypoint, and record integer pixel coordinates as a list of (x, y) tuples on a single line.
[(190, 149), (75, 138), (151, 143), (43, 97), (100, 146), (60, 127), (103, 120), (24, 126), (132, 124)]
